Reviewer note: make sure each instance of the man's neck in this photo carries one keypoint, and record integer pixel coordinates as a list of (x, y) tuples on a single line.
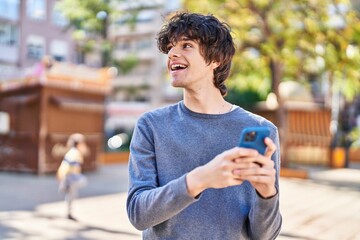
[(207, 103)]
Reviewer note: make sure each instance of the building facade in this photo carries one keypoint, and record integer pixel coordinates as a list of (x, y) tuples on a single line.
[(30, 29), (141, 83)]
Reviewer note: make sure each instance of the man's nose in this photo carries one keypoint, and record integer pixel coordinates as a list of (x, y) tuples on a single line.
[(174, 52)]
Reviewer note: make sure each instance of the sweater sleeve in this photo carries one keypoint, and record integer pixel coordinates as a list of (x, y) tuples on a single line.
[(265, 218), (149, 204)]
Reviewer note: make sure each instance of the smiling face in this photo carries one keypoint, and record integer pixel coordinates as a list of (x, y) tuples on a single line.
[(187, 67), (215, 43)]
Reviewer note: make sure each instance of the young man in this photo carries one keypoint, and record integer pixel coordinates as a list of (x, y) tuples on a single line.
[(188, 178)]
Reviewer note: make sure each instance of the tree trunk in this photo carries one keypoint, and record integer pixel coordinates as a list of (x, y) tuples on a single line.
[(105, 53), (276, 76)]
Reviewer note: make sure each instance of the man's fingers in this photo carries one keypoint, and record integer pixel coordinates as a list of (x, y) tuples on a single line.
[(246, 163), (271, 147), (239, 152), (254, 173)]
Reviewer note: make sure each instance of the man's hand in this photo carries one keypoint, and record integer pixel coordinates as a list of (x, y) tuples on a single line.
[(262, 178), (233, 167), (220, 172)]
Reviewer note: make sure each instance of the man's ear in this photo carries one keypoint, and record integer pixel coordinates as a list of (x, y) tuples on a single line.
[(215, 65)]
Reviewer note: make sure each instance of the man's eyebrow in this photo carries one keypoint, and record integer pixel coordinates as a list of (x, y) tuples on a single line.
[(186, 39), (181, 39)]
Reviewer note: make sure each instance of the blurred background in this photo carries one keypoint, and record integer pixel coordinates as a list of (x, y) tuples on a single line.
[(92, 66), (296, 64)]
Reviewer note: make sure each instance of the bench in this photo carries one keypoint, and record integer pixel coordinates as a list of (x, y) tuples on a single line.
[(307, 132)]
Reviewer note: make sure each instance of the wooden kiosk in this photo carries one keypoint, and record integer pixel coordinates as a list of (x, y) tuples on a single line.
[(43, 111)]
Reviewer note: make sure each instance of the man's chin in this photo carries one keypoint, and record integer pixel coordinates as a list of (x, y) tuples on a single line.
[(176, 84)]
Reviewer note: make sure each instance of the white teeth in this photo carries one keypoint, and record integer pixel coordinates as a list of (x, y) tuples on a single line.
[(177, 66)]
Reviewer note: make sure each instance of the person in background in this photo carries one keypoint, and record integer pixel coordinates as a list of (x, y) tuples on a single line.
[(188, 179), (37, 73), (69, 172)]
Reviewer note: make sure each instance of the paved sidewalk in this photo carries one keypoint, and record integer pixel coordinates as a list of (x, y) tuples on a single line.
[(324, 207)]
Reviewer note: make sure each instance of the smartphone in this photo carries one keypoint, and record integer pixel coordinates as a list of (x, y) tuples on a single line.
[(253, 137)]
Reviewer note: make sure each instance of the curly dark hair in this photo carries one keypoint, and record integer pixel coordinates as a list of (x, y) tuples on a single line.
[(214, 38)]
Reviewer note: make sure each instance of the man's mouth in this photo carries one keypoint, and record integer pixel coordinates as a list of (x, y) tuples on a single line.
[(177, 66)]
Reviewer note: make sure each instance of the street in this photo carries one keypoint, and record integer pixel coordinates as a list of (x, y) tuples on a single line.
[(324, 207)]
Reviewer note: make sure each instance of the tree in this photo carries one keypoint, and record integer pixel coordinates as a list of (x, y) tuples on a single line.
[(90, 21), (279, 40)]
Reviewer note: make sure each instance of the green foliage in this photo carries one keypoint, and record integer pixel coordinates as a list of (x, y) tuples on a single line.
[(90, 20), (304, 37), (354, 137), (127, 64), (82, 14), (244, 98), (88, 46), (246, 90)]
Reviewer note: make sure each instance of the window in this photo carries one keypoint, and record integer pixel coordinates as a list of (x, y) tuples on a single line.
[(125, 45), (36, 9), (35, 47), (59, 50), (144, 44), (9, 9), (8, 34), (4, 123), (58, 18), (145, 16)]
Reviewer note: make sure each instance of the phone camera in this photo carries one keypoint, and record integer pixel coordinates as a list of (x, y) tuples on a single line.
[(250, 136)]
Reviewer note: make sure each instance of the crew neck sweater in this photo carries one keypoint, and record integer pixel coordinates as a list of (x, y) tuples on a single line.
[(168, 143)]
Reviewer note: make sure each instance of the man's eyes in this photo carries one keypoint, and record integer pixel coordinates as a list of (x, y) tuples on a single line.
[(187, 45), (184, 45)]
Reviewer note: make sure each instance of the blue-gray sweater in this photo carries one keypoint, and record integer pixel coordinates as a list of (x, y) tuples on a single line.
[(166, 145)]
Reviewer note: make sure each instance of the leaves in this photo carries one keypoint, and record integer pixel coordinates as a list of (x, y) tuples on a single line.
[(127, 64), (306, 37), (89, 20), (82, 13)]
